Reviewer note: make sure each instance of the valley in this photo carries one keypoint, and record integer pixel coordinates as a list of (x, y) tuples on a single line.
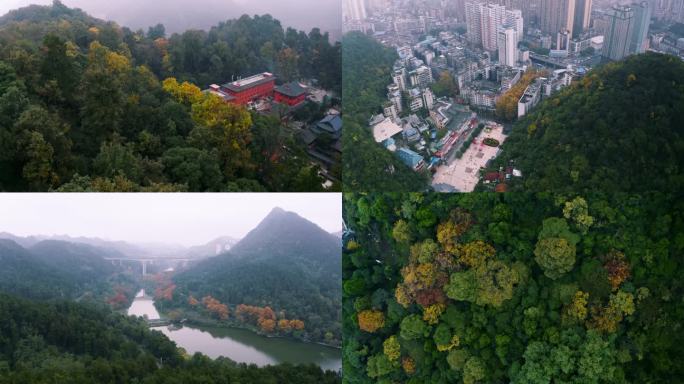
[(241, 345), (258, 301)]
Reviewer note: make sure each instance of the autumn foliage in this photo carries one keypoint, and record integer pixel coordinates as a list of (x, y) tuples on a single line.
[(192, 301), (617, 268), (164, 287), (215, 307), (409, 365), (371, 321), (507, 105), (578, 308), (119, 300), (165, 292), (266, 319), (449, 231)]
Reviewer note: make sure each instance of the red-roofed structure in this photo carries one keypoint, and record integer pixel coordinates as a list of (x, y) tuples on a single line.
[(249, 89), (492, 176), (291, 94)]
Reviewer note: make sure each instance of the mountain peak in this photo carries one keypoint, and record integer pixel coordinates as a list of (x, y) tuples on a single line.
[(276, 212), (279, 216), (283, 231)]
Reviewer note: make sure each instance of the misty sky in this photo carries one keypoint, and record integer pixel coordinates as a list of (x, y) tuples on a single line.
[(179, 15), (185, 219)]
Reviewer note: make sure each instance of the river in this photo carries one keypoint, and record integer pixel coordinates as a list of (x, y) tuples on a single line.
[(240, 345)]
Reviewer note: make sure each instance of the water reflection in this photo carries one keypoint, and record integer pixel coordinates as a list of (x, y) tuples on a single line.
[(239, 344), (143, 306)]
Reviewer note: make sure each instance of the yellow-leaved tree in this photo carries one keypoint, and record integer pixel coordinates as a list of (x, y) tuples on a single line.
[(220, 126)]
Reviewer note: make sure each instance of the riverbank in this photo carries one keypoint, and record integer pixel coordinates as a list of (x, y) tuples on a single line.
[(194, 318), (244, 346), (238, 343)]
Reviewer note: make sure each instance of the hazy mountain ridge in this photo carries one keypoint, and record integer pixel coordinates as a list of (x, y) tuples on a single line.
[(223, 243), (123, 249), (53, 269), (111, 248), (181, 15)]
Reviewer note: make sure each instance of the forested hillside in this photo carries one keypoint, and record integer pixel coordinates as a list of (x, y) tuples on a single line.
[(286, 269), (59, 270), (513, 288), (76, 343), (367, 166), (620, 128), (83, 107)]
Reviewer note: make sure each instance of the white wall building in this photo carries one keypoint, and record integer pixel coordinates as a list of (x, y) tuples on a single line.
[(428, 98), (507, 43), (483, 22), (390, 111), (399, 78), (394, 96), (354, 10), (421, 77)]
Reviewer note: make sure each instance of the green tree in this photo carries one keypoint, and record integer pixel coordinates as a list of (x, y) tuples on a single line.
[(38, 170), (196, 168), (378, 365), (578, 212), (413, 327), (401, 232), (474, 370), (117, 159), (555, 250)]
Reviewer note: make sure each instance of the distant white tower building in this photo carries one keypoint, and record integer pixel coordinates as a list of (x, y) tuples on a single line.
[(354, 10), (618, 35), (582, 17), (428, 98), (483, 21), (515, 18), (399, 78), (508, 46), (642, 21), (394, 95)]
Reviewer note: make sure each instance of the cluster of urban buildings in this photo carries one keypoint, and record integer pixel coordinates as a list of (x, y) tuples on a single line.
[(421, 129), (501, 27), (486, 46)]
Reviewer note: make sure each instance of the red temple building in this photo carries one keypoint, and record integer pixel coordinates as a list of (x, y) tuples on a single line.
[(245, 90), (291, 94)]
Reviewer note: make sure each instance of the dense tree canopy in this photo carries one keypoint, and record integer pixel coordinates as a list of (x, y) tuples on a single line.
[(82, 107), (78, 343), (619, 128), (520, 288)]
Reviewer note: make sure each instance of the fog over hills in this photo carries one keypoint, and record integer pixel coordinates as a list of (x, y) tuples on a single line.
[(180, 15)]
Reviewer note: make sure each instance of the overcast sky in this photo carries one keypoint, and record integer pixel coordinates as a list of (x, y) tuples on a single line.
[(179, 15), (185, 219)]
